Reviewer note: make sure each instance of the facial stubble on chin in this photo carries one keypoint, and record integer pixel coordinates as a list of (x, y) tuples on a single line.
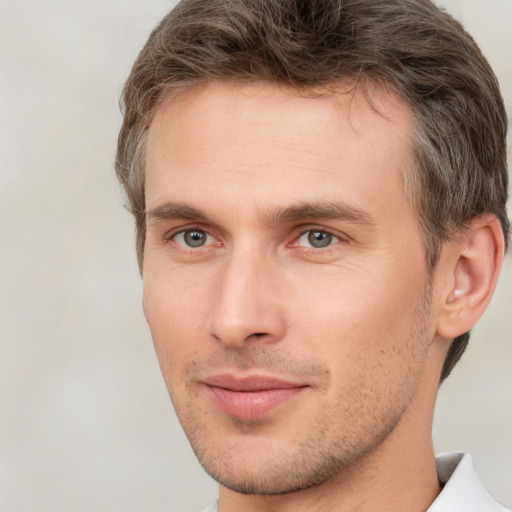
[(335, 443), (223, 467)]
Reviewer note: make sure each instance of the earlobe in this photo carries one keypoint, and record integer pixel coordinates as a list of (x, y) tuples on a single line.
[(474, 265)]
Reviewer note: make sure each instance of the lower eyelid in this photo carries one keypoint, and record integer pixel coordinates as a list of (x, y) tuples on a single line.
[(211, 240)]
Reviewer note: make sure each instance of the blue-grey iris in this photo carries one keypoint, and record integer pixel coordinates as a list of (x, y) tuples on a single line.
[(319, 239), (194, 238)]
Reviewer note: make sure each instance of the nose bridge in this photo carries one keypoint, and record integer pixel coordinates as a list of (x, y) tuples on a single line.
[(247, 307)]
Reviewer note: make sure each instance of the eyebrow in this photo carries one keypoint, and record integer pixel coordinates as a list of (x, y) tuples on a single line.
[(325, 210), (170, 210)]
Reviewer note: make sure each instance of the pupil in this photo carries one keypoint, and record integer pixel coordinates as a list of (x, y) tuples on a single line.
[(319, 239), (195, 238)]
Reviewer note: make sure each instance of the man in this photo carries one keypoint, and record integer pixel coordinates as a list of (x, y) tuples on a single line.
[(319, 190)]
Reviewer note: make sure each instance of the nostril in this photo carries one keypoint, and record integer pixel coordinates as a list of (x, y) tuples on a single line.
[(256, 336)]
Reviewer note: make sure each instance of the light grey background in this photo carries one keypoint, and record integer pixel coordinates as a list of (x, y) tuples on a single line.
[(85, 421)]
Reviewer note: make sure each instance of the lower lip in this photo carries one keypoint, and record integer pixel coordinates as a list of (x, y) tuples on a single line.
[(251, 405)]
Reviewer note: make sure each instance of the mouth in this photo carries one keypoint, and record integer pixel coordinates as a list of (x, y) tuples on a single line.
[(250, 398)]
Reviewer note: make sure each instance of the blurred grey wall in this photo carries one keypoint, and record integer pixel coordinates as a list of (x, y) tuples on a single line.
[(85, 422)]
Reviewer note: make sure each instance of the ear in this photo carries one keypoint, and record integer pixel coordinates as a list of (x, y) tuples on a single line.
[(471, 269)]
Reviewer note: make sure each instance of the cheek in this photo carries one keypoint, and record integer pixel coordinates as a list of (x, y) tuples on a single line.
[(176, 316), (361, 321), (357, 303)]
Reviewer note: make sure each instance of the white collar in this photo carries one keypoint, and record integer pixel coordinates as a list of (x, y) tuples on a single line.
[(463, 491)]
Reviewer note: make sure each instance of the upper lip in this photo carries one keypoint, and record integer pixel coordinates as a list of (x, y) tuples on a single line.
[(249, 383)]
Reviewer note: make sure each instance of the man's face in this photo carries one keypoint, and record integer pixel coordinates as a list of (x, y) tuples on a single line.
[(285, 282)]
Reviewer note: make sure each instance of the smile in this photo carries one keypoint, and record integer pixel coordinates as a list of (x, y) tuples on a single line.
[(250, 398)]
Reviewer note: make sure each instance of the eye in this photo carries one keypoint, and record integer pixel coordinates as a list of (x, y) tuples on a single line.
[(317, 239), (193, 238)]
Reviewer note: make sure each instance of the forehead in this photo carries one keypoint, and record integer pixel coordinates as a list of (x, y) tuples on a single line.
[(249, 139), (363, 107)]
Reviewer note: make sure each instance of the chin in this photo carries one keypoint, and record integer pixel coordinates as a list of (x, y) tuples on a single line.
[(264, 481), (263, 467)]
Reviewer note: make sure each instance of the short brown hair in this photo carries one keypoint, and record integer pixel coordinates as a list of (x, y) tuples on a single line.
[(410, 47)]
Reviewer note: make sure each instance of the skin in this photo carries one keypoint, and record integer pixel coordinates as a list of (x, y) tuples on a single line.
[(359, 323)]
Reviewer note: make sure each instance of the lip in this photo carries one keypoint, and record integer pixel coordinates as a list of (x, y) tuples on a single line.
[(252, 397)]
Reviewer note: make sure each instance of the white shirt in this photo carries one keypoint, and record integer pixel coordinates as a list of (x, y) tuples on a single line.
[(462, 491)]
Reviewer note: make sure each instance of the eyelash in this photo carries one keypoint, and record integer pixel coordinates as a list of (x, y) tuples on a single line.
[(324, 231), (294, 244), (169, 237)]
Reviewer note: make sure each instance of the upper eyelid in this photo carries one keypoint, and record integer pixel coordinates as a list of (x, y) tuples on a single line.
[(327, 231), (331, 231), (170, 233), (181, 231), (296, 233), (318, 228), (336, 240)]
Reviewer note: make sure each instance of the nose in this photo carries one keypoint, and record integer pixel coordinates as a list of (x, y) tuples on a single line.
[(247, 306)]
